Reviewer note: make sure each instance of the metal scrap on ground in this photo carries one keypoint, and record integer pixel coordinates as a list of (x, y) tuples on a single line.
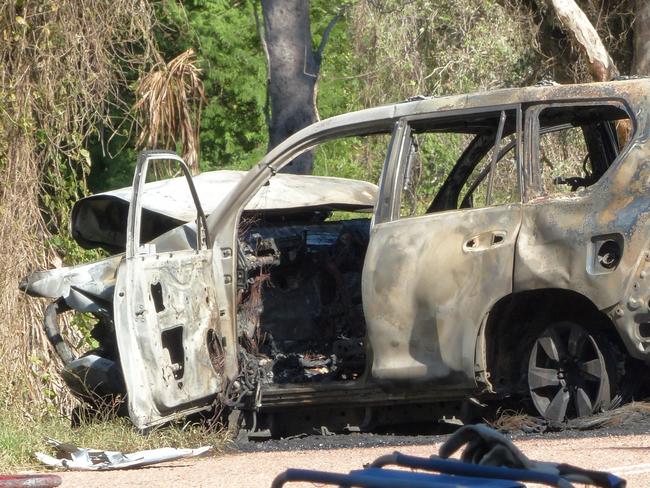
[(70, 456)]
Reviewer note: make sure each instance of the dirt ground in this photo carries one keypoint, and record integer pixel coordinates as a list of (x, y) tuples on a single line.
[(627, 455)]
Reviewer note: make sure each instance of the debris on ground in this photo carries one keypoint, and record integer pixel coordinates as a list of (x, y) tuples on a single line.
[(69, 456), (626, 414), (513, 421)]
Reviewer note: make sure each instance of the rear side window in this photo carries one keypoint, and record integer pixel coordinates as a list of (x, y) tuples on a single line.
[(576, 144)]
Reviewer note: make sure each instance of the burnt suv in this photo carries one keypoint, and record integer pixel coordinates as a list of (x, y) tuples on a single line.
[(504, 252)]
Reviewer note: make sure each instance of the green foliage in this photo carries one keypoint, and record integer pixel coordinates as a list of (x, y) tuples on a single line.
[(383, 52), (112, 165), (378, 52), (429, 165), (62, 186), (233, 131), (438, 48), (84, 324), (359, 158), (338, 87)]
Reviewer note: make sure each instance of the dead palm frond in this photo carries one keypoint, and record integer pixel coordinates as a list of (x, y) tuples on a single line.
[(169, 102)]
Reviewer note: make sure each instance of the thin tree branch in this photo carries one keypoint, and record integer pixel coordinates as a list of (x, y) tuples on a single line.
[(318, 54), (641, 29), (261, 31)]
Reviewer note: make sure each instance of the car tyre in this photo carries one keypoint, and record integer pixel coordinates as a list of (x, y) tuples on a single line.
[(571, 372)]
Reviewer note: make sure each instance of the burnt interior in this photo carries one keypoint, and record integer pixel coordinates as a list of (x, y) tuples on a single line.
[(299, 309)]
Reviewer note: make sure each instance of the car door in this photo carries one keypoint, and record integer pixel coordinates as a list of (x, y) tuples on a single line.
[(429, 279), (167, 315)]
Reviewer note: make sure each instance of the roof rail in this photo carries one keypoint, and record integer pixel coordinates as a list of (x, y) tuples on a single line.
[(547, 82), (417, 98)]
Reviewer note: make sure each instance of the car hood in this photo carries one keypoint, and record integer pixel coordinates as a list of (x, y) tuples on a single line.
[(100, 220)]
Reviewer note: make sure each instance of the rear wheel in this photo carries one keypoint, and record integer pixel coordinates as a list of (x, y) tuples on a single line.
[(571, 372)]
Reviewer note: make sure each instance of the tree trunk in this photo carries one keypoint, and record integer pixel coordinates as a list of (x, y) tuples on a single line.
[(293, 72), (641, 61), (574, 20)]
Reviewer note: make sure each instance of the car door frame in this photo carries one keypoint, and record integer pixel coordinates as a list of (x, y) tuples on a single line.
[(461, 370), (167, 320)]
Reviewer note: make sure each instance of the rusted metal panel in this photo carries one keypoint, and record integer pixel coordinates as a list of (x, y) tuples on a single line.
[(560, 237), (224, 219)]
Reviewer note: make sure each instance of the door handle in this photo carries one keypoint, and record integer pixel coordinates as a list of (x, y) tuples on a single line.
[(485, 240)]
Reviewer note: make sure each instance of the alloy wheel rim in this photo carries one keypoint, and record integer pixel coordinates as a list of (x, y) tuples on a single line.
[(567, 373)]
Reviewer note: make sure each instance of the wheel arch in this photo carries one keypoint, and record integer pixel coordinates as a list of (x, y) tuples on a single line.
[(507, 334)]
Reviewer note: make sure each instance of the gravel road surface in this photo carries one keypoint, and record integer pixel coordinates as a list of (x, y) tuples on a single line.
[(625, 450)]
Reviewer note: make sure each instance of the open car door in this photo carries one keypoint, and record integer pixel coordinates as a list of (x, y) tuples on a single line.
[(166, 316)]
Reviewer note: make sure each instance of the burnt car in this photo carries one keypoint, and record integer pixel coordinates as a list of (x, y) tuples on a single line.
[(504, 253)]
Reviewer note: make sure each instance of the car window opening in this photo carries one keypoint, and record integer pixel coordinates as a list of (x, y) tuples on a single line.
[(577, 145), (461, 162)]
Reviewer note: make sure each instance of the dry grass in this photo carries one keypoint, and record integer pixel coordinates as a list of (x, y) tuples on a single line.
[(21, 437), (515, 421), (444, 47), (630, 413), (99, 427), (63, 67), (458, 46)]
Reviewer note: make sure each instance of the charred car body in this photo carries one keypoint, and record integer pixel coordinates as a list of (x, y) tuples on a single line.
[(522, 268)]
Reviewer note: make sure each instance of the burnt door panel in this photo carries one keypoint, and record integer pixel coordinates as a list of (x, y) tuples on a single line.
[(167, 321), (428, 282)]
